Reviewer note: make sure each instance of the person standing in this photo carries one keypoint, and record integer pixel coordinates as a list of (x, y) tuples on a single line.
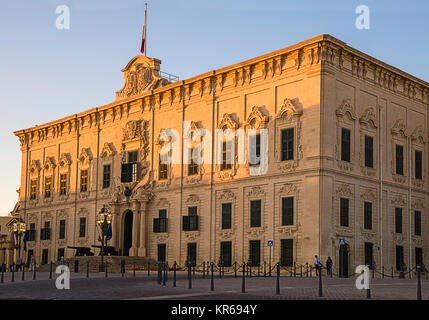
[(32, 263), (329, 266), (18, 264), (316, 264)]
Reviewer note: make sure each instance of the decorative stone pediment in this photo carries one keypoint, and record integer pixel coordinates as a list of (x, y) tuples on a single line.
[(256, 192), (164, 137), (65, 160), (225, 195), (418, 135), (226, 234), (134, 129), (193, 199), (228, 122), (369, 118), (256, 119), (417, 203), (368, 194), (141, 75), (288, 188), (399, 200), (344, 190), (192, 235), (399, 128), (49, 164), (35, 167), (346, 107), (108, 150), (85, 157), (289, 109)]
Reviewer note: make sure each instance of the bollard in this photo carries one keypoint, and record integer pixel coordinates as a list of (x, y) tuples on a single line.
[(235, 269), (159, 273), (134, 270), (306, 269), (301, 272), (373, 272), (259, 270), (122, 268), (148, 269), (105, 269), (23, 272), (211, 278), (265, 269), (2, 275), (34, 272), (13, 272), (419, 284), (50, 270), (87, 269), (278, 279), (409, 272), (174, 273), (243, 286), (204, 269), (392, 272), (220, 273), (320, 284), (368, 293), (250, 268), (193, 269), (294, 269), (163, 274), (189, 276), (382, 272), (166, 271), (311, 271)]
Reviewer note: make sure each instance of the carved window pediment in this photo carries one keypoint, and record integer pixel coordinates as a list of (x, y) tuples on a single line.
[(85, 157), (369, 118), (108, 150), (418, 135), (35, 168), (228, 122), (256, 119), (346, 108), (290, 108), (49, 164), (399, 129), (65, 161)]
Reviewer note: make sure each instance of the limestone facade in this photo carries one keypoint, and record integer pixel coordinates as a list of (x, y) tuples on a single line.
[(316, 87)]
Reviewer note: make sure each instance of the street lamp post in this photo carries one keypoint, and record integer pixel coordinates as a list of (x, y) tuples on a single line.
[(19, 229), (104, 219)]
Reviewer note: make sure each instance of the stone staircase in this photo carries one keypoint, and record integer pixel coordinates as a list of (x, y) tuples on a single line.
[(93, 262)]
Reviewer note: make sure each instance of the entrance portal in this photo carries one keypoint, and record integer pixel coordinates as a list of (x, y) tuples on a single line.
[(128, 232), (344, 261)]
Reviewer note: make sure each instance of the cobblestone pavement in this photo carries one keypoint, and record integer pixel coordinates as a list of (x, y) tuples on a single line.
[(143, 287)]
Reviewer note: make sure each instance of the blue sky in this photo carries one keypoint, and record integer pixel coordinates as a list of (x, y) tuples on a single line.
[(46, 73)]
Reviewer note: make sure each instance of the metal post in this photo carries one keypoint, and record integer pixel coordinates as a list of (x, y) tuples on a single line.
[(301, 272), (269, 261), (392, 272), (23, 272), (235, 269), (189, 275), (419, 284), (148, 268), (159, 273), (373, 272), (34, 272), (311, 271), (204, 269), (13, 272), (134, 270), (50, 270), (122, 268), (259, 270), (2, 274), (382, 272), (306, 269), (87, 269), (409, 269), (211, 278), (174, 273), (105, 269), (265, 269), (243, 286), (220, 272), (164, 274), (278, 279), (250, 267), (320, 284), (294, 269)]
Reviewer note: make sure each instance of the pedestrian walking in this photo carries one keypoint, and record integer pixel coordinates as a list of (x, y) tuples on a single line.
[(18, 264), (32, 263), (329, 266), (316, 264)]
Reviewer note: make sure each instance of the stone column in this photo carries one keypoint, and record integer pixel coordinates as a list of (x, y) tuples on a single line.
[(115, 227), (9, 257), (136, 229), (2, 256), (142, 246)]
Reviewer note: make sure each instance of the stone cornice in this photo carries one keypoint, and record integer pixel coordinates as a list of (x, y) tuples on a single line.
[(323, 49)]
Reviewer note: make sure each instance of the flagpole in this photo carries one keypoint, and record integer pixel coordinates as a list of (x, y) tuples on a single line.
[(145, 28)]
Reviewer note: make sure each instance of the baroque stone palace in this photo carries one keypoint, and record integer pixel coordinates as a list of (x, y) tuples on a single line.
[(347, 165)]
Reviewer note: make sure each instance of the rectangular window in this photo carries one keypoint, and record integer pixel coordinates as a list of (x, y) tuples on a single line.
[(345, 144), (83, 180), (287, 211), (163, 169), (255, 213), (227, 155), (400, 265), (160, 223), (129, 170), (192, 166), (369, 254), (190, 222), (82, 227), (399, 159), (398, 220), (45, 256), (419, 256), (287, 137), (254, 252), (33, 189), (286, 256), (106, 176), (226, 253), (48, 186), (255, 150), (63, 184), (418, 158), (417, 223), (369, 152), (192, 254), (32, 232), (367, 215), (162, 252), (226, 215), (344, 212), (60, 254), (132, 156), (45, 233), (62, 233)]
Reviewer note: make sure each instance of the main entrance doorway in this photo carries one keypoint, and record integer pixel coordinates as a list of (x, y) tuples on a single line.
[(344, 261), (128, 232)]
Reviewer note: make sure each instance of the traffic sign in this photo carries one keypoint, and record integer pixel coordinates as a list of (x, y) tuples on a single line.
[(270, 243), (342, 242)]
